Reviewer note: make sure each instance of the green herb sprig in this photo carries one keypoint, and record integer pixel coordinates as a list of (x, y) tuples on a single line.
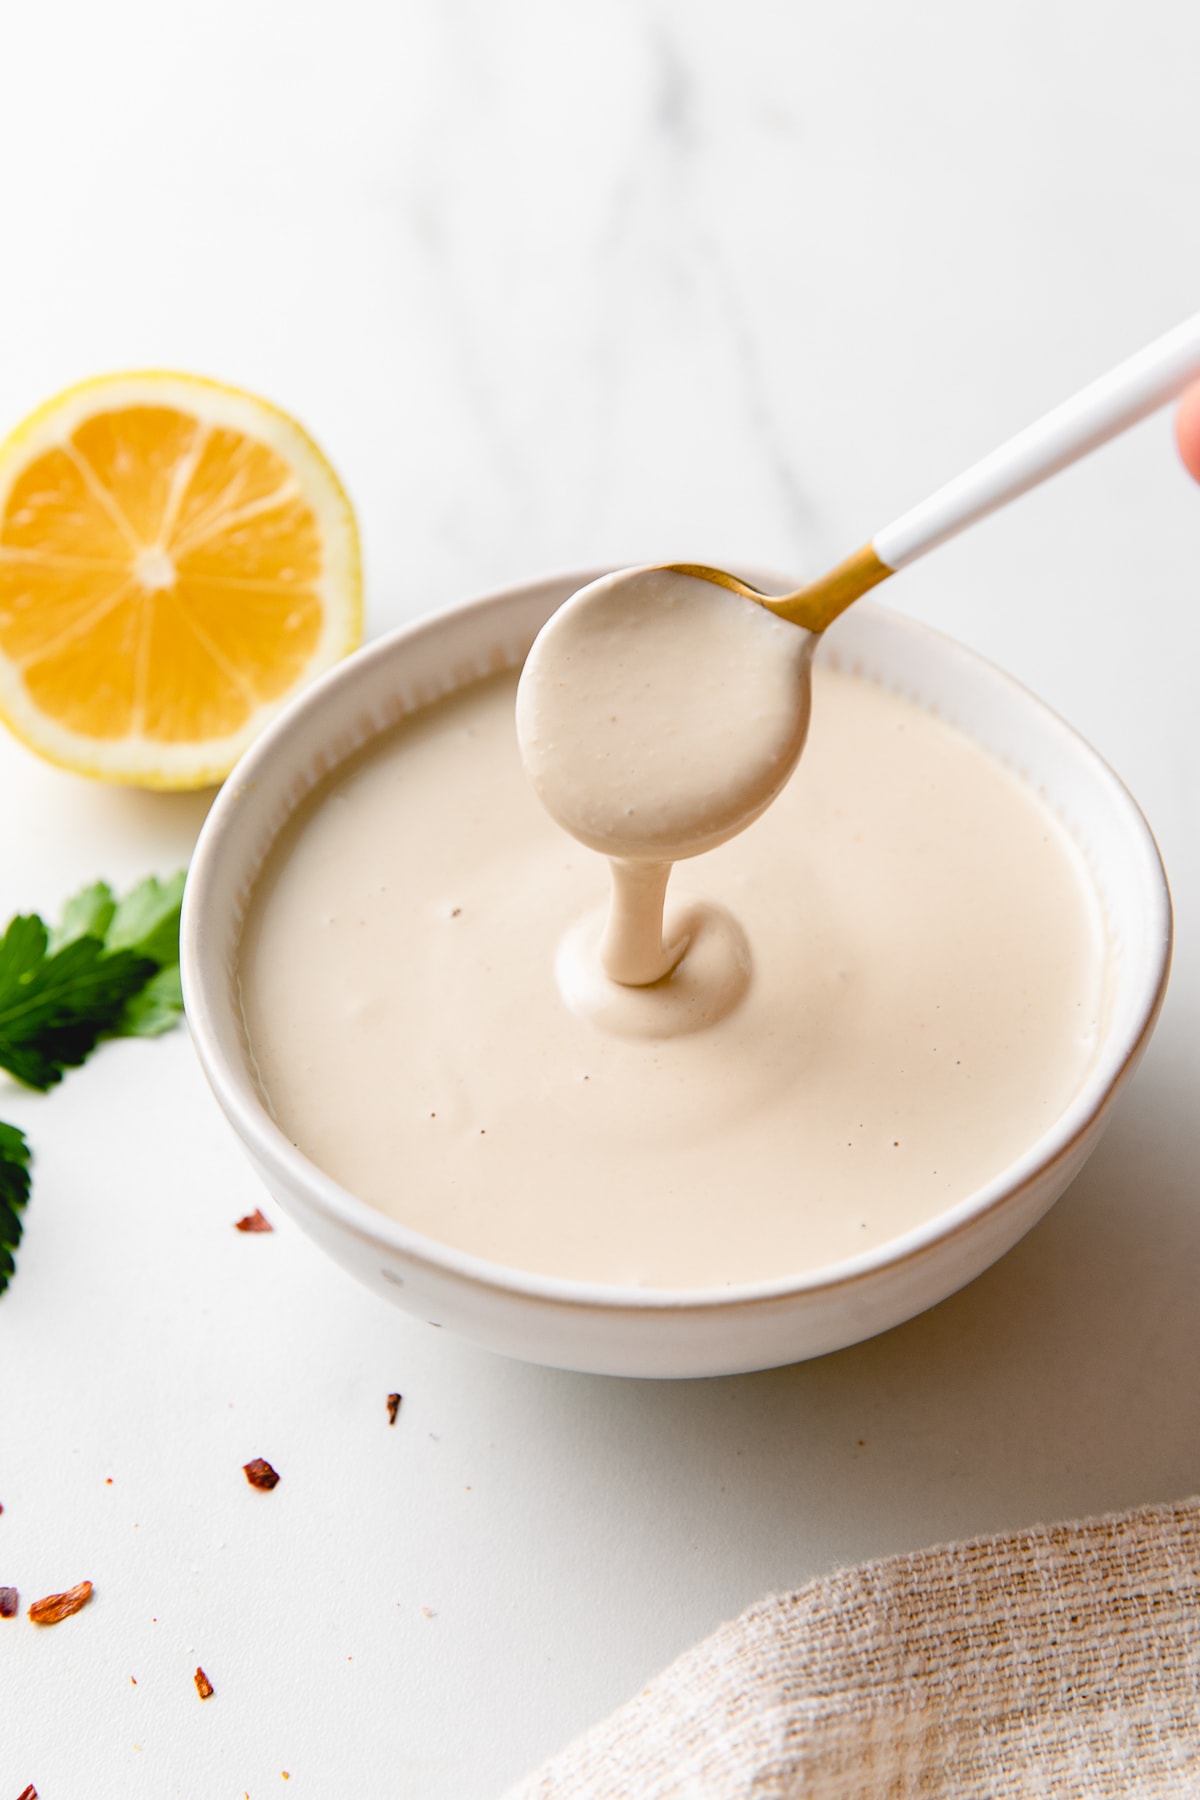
[(14, 1192), (110, 968)]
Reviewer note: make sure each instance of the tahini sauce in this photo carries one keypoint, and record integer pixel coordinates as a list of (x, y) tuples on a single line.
[(658, 715), (926, 989)]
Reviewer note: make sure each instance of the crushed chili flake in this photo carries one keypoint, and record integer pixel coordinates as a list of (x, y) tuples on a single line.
[(393, 1407), (254, 1222), (260, 1474), (30, 1793), (60, 1606), (9, 1601), (204, 1686)]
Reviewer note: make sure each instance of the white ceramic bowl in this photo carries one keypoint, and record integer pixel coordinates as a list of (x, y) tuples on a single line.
[(621, 1331)]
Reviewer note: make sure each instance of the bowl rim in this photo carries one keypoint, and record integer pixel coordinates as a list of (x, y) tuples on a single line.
[(207, 988)]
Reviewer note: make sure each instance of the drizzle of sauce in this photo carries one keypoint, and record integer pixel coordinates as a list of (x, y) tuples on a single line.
[(658, 716)]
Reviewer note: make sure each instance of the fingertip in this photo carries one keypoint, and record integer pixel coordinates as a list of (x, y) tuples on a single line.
[(1187, 430)]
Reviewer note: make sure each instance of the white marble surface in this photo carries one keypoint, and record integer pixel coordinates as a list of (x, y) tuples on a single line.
[(553, 285)]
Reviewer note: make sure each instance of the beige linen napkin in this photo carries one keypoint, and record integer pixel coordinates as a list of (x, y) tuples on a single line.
[(1062, 1661)]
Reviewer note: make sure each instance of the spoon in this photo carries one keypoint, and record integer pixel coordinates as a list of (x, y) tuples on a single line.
[(1100, 411), (655, 725), (656, 718)]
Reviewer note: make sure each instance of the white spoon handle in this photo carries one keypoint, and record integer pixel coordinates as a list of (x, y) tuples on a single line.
[(1100, 411)]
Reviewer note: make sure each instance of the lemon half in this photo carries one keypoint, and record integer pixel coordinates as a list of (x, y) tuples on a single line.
[(176, 559)]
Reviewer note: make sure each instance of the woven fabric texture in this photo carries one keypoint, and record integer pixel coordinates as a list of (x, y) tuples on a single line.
[(1062, 1661)]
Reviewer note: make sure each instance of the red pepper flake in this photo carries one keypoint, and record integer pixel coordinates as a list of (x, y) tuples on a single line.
[(9, 1601), (204, 1686), (393, 1407), (30, 1793), (254, 1222), (260, 1474), (60, 1606)]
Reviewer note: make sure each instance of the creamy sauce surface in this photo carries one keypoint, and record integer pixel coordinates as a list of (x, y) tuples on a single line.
[(926, 978)]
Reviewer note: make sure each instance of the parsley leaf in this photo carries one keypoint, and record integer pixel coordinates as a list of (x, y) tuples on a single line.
[(89, 914), (14, 1192), (156, 1009), (109, 969), (147, 920), (54, 1007)]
